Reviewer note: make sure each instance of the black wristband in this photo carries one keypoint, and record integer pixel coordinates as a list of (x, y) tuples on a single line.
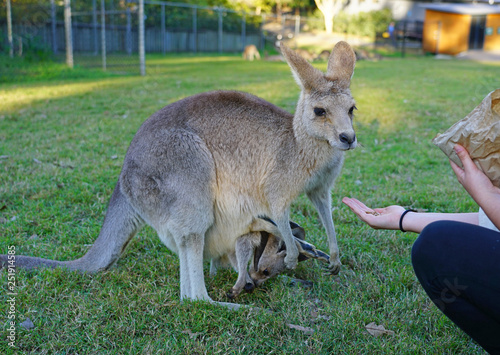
[(401, 219)]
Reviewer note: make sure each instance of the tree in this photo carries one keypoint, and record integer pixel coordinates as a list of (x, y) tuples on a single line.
[(328, 8)]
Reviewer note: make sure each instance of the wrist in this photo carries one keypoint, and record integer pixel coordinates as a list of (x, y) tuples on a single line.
[(401, 219), (484, 196)]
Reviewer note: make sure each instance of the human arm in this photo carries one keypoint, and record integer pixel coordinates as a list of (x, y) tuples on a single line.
[(478, 185), (475, 182), (388, 217)]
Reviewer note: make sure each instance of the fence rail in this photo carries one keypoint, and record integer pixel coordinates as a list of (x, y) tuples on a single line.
[(105, 33)]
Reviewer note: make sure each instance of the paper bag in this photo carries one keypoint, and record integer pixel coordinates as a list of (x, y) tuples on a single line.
[(479, 133)]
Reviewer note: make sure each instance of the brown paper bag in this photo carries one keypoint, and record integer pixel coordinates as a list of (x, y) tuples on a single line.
[(479, 133)]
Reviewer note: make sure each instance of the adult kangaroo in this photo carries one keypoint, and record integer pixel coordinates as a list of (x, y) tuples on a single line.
[(200, 170)]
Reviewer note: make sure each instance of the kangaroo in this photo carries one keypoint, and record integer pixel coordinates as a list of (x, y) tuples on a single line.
[(199, 170), (251, 52), (268, 254)]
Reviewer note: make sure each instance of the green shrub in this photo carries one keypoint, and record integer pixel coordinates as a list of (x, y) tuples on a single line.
[(363, 24)]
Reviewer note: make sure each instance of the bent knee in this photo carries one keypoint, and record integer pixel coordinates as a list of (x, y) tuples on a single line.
[(430, 244), (434, 235)]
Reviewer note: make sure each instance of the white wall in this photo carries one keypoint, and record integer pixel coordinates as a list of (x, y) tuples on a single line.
[(400, 8)]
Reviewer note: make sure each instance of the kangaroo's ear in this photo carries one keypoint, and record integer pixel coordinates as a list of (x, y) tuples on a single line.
[(304, 73), (341, 65)]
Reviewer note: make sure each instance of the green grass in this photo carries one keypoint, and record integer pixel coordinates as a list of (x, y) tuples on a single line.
[(63, 139)]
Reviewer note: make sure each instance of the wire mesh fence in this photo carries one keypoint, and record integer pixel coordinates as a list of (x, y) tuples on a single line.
[(106, 33), (31, 30), (175, 28)]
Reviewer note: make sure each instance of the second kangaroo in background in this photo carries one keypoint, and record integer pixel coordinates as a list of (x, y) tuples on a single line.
[(201, 169), (251, 52)]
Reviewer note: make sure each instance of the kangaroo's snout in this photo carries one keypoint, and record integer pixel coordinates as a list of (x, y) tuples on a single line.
[(249, 287), (348, 140)]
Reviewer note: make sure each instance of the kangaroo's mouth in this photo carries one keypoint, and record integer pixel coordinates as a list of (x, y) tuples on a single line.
[(343, 146)]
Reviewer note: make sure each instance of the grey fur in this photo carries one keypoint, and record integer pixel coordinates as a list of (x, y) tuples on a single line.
[(201, 169), (266, 254)]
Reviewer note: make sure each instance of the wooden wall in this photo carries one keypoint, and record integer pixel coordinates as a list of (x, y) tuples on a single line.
[(492, 41), (453, 34)]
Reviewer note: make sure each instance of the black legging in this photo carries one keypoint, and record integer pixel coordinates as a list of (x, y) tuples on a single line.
[(458, 265)]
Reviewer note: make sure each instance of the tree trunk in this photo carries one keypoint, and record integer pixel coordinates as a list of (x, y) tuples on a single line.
[(329, 25), (327, 8)]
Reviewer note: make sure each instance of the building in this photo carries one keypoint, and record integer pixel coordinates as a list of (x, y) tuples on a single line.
[(451, 28)]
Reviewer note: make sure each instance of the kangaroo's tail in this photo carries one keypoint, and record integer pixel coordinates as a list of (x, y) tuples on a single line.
[(122, 222)]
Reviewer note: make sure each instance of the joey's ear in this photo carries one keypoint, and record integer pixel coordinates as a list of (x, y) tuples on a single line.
[(298, 231), (304, 73), (341, 65)]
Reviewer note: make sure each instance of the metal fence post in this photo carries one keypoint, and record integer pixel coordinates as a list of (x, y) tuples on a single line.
[(163, 31), (128, 32), (297, 28), (262, 37), (403, 46), (53, 25), (69, 35), (94, 26), (103, 35), (220, 31), (243, 31), (142, 52), (195, 30), (9, 30), (283, 25)]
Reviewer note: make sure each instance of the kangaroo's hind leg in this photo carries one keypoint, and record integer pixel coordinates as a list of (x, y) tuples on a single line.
[(169, 176)]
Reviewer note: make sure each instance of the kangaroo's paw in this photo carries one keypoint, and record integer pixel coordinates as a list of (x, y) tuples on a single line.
[(334, 267), (291, 261), (235, 291)]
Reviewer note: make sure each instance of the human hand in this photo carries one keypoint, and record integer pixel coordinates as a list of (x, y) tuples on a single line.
[(378, 218), (474, 181)]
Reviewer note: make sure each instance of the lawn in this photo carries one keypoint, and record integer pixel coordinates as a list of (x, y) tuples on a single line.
[(62, 142)]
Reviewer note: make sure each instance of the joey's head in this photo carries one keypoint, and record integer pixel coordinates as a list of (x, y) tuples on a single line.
[(269, 256), (325, 108), (269, 259)]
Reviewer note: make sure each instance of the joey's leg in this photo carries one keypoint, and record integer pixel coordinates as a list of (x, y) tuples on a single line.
[(322, 201), (244, 250), (214, 266)]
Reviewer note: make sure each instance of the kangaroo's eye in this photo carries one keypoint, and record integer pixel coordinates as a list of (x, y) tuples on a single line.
[(319, 111), (351, 110), (266, 272)]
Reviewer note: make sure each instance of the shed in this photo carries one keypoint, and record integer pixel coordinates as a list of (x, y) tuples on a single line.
[(455, 28)]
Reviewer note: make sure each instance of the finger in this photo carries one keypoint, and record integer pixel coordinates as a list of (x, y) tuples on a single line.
[(358, 208), (351, 203), (362, 205), (459, 172), (358, 205), (464, 157), (355, 208)]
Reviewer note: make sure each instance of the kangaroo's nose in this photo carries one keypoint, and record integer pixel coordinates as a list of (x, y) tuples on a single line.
[(249, 287), (347, 138)]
